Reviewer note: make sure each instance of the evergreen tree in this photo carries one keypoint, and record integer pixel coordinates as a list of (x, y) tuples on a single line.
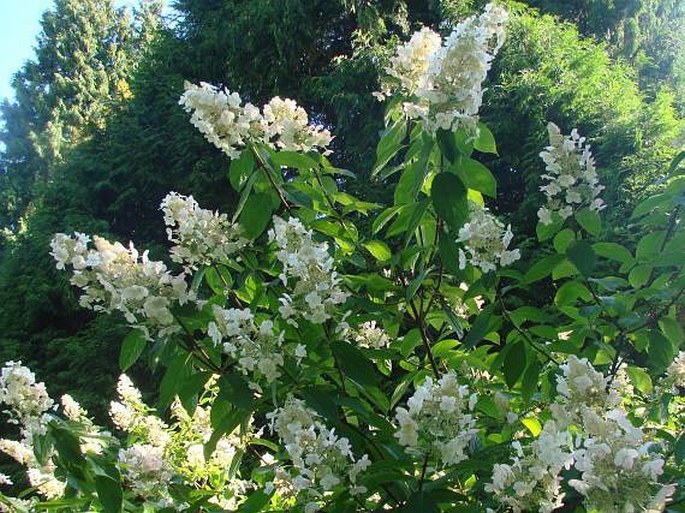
[(84, 53)]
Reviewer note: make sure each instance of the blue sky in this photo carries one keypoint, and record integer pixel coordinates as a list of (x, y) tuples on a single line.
[(19, 26)]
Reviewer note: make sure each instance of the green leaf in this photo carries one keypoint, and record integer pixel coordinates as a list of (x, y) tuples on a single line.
[(385, 217), (563, 239), (531, 379), (409, 184), (240, 170), (679, 449), (234, 389), (673, 330), (660, 351), (547, 231), (420, 502), (110, 494), (675, 163), (570, 291), (542, 268), (132, 347), (254, 503), (515, 363), (293, 160), (452, 318), (379, 249), (639, 275), (389, 144), (590, 221), (447, 144), (449, 253), (256, 215), (485, 142), (476, 176), (449, 199), (640, 379), (480, 328), (174, 376), (613, 251), (533, 425), (354, 363), (581, 254)]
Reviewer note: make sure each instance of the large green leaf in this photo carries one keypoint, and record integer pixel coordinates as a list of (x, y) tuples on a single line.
[(110, 494), (389, 144), (256, 214), (449, 199), (485, 142), (131, 348), (515, 363), (476, 176), (590, 221), (581, 254)]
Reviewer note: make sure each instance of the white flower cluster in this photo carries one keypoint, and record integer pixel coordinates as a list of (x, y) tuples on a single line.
[(316, 295), (231, 126), (618, 468), (114, 279), (485, 241), (27, 400), (146, 469), (131, 415), (572, 180), (258, 349), (590, 433), (443, 81), (370, 336), (28, 404), (322, 459), (437, 421), (534, 474), (201, 237)]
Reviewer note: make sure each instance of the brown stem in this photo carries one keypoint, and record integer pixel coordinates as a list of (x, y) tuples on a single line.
[(425, 339)]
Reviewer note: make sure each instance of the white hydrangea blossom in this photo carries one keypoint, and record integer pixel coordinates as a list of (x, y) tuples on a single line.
[(437, 421), (590, 433), (572, 180), (316, 294), (27, 400), (131, 415), (287, 127), (411, 62), (146, 470), (231, 126), (201, 237), (28, 403), (532, 482), (443, 81), (675, 374), (258, 349), (580, 388), (113, 278), (370, 336), (618, 469), (323, 460), (486, 241)]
